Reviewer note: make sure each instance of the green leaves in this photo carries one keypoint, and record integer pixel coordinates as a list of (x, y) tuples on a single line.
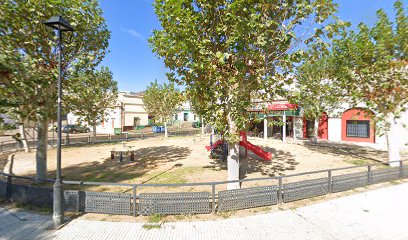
[(161, 101), (30, 48), (371, 63), (225, 51), (93, 93)]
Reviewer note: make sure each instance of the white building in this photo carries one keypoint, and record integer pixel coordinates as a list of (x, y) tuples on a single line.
[(344, 124), (128, 112), (185, 114)]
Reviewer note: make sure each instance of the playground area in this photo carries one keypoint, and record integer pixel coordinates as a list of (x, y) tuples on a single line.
[(186, 160)]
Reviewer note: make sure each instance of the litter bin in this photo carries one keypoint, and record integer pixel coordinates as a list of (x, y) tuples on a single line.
[(162, 129), (117, 131)]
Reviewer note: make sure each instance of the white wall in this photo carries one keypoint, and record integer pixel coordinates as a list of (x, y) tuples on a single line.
[(334, 129), (180, 116), (113, 120)]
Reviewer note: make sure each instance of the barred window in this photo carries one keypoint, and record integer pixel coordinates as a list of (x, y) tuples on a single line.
[(358, 128)]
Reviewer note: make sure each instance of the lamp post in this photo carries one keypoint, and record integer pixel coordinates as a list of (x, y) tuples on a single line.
[(61, 25)]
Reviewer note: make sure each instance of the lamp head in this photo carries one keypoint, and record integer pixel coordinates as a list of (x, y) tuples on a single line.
[(57, 22)]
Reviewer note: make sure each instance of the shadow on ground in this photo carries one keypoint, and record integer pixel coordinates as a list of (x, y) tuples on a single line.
[(344, 149), (3, 161), (281, 163), (146, 159)]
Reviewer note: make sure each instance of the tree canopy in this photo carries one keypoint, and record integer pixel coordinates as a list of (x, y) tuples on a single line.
[(161, 101), (94, 93), (314, 90), (371, 63), (223, 51), (29, 47)]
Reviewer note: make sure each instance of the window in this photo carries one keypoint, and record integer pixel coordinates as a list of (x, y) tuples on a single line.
[(358, 128), (185, 116)]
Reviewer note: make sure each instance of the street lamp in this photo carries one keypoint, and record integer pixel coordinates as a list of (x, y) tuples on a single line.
[(61, 25)]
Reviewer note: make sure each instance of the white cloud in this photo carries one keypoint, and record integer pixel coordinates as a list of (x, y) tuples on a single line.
[(132, 32)]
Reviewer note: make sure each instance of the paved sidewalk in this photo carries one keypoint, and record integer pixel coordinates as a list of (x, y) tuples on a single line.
[(379, 214), (16, 224)]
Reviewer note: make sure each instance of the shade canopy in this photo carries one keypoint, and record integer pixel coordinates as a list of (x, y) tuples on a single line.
[(60, 23)]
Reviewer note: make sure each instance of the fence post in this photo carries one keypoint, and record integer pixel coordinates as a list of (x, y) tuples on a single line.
[(280, 199), (213, 198), (329, 176), (369, 174), (89, 138), (134, 201), (401, 170), (127, 136), (9, 188), (110, 137)]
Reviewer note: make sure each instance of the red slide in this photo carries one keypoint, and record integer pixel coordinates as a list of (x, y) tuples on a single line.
[(214, 145), (257, 150)]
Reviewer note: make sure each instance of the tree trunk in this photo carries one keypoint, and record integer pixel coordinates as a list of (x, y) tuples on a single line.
[(24, 138), (202, 126), (243, 163), (316, 128), (233, 157), (41, 154), (393, 142), (94, 132), (165, 129), (233, 165)]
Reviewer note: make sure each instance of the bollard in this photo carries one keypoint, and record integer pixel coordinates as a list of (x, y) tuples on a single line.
[(369, 174), (213, 198), (9, 188), (134, 201), (401, 170), (120, 156), (280, 198), (329, 177)]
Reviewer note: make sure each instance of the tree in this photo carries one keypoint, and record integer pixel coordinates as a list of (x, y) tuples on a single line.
[(161, 101), (29, 46), (223, 51), (94, 92), (314, 90), (371, 65)]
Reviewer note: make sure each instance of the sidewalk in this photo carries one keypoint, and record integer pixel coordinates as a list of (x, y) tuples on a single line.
[(379, 214), (18, 224)]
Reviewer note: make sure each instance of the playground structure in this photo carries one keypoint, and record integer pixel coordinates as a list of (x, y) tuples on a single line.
[(267, 156)]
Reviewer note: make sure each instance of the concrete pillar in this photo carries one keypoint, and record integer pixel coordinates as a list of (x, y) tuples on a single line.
[(284, 127), (265, 128)]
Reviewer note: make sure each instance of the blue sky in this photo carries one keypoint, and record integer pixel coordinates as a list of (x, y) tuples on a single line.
[(131, 22)]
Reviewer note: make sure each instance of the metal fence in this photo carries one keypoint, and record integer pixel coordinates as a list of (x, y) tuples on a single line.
[(70, 139), (133, 201)]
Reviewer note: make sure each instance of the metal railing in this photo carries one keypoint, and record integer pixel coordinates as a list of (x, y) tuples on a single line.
[(268, 191), (69, 139)]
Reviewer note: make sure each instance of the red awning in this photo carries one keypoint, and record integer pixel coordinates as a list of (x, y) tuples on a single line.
[(282, 106)]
